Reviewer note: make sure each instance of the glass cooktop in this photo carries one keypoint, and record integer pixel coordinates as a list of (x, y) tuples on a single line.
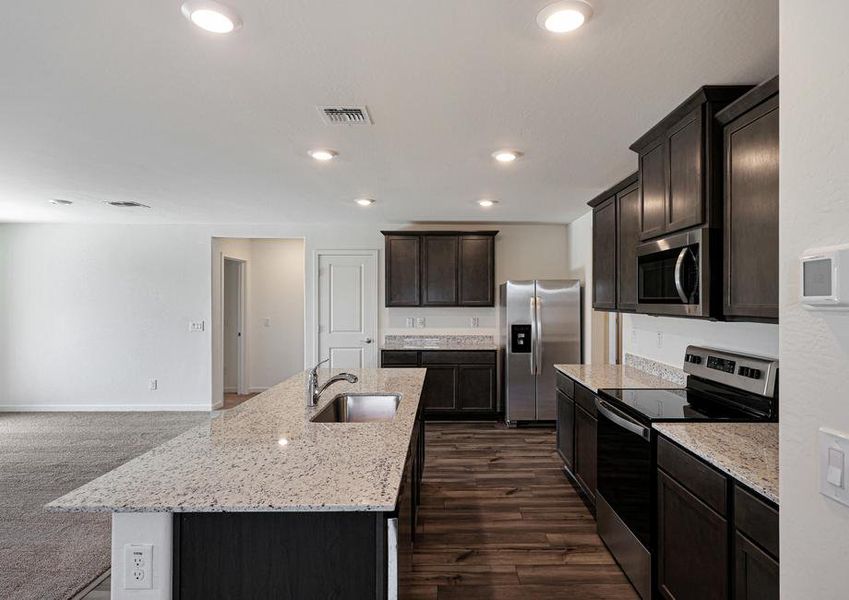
[(673, 405)]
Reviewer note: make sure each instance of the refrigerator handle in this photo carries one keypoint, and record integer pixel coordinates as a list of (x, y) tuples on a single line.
[(538, 338), (533, 335)]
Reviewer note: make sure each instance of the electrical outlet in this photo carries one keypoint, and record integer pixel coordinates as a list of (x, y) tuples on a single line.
[(138, 566), (660, 339), (154, 385), (411, 322), (475, 322), (420, 322), (196, 325)]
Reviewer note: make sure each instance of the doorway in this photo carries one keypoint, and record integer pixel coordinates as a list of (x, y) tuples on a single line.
[(233, 339), (347, 308)]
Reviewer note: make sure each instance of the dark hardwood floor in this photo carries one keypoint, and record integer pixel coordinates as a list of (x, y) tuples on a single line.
[(499, 520)]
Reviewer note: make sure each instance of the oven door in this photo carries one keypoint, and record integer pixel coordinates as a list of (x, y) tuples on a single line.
[(625, 487), (673, 275)]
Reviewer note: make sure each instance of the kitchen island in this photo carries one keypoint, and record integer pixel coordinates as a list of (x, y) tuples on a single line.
[(263, 502)]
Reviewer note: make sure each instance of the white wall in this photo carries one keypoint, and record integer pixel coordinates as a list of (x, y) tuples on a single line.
[(579, 262), (232, 290), (814, 346), (664, 339), (276, 322), (93, 312)]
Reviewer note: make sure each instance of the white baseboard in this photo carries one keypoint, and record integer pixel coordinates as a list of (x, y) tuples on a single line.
[(103, 407), (230, 390)]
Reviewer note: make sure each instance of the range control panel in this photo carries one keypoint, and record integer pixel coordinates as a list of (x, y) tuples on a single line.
[(756, 374)]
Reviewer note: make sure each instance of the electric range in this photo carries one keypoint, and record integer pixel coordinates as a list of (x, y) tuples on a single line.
[(721, 386)]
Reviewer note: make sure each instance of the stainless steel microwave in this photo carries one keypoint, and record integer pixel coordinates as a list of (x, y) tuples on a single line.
[(673, 275)]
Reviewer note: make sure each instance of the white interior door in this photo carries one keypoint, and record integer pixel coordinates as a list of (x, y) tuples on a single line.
[(347, 308)]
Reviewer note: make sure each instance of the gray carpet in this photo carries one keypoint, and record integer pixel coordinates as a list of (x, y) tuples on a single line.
[(52, 556)]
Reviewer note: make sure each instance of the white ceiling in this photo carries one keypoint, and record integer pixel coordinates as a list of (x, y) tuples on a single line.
[(126, 100)]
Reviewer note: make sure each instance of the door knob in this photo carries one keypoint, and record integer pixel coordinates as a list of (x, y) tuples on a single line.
[(366, 341)]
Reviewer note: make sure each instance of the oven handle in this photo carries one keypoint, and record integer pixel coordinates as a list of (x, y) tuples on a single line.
[(622, 420), (678, 284)]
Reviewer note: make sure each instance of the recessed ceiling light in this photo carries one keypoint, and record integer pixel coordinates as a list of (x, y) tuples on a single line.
[(564, 16), (60, 202), (211, 16), (506, 156), (323, 154), (487, 203), (364, 201)]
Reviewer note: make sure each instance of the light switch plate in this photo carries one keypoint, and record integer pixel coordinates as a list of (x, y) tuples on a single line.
[(834, 455), (195, 326)]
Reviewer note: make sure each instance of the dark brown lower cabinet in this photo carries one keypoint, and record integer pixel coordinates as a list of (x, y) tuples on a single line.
[(458, 384), (755, 571), (702, 552), (585, 452), (440, 389), (566, 430), (692, 561)]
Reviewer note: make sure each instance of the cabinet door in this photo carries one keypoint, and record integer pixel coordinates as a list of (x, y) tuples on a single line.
[(755, 572), (653, 190), (439, 392), (439, 270), (692, 542), (477, 270), (403, 283), (604, 255), (585, 451), (566, 430), (685, 205), (751, 214), (476, 388), (628, 236)]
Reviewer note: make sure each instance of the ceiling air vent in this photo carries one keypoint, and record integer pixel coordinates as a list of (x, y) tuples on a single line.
[(345, 115), (127, 204)]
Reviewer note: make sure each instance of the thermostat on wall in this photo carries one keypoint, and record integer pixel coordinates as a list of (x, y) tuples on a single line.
[(825, 278)]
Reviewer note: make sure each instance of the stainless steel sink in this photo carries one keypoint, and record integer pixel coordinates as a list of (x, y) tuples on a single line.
[(359, 408)]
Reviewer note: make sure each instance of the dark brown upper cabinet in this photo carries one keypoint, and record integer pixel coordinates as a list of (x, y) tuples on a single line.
[(440, 268), (616, 211), (477, 270), (627, 236), (750, 193), (680, 165), (604, 255), (403, 270)]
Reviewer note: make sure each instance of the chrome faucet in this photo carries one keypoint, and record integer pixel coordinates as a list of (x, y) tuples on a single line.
[(314, 390)]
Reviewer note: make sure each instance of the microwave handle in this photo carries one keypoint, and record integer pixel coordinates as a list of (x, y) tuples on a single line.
[(679, 286)]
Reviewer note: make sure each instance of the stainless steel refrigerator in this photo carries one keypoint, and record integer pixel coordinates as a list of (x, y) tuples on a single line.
[(540, 326)]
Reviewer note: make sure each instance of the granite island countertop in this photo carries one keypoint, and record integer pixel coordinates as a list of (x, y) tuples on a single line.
[(748, 452), (439, 342), (266, 455), (596, 377)]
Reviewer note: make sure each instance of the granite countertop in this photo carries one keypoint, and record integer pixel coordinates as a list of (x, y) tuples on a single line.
[(596, 377), (266, 455), (439, 342), (748, 452)]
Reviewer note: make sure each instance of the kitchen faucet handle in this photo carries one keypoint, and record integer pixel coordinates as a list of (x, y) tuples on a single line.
[(315, 368)]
